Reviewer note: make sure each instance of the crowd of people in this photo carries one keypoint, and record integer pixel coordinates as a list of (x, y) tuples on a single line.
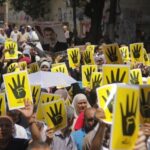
[(85, 130)]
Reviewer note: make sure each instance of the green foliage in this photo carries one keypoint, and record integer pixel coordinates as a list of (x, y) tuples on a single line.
[(34, 8)]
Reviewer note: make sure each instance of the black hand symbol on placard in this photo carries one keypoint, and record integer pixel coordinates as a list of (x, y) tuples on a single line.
[(128, 118), (74, 57), (134, 78), (60, 70), (88, 73), (110, 105), (23, 66), (116, 78), (0, 106), (56, 115), (87, 58), (145, 104), (11, 49), (145, 57), (34, 68), (124, 53), (96, 81), (18, 88), (12, 68), (112, 54), (136, 51), (34, 94), (49, 100)]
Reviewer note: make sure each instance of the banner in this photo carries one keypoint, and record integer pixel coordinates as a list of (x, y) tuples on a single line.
[(17, 89), (125, 125), (87, 71), (112, 54), (116, 74)]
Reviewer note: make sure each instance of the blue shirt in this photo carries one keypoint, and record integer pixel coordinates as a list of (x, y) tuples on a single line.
[(78, 137)]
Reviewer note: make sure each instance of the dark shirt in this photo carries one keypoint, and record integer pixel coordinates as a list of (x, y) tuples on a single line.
[(17, 144)]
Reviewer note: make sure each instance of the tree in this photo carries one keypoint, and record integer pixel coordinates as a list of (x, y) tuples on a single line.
[(34, 8)]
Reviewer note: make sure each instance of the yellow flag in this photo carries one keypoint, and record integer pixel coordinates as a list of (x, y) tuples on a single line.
[(36, 91), (136, 52), (55, 114), (125, 125), (2, 104), (145, 103), (12, 48), (23, 65), (106, 97), (125, 53), (34, 67), (87, 71), (115, 74), (146, 58), (96, 80), (74, 57), (17, 89), (60, 68), (112, 54), (136, 76), (45, 98), (14, 67)]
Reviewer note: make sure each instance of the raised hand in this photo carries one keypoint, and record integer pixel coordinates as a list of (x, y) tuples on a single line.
[(128, 118), (56, 116), (134, 78), (18, 87), (116, 78), (112, 54), (145, 104), (136, 51), (96, 81), (88, 73), (110, 105), (74, 56), (87, 58)]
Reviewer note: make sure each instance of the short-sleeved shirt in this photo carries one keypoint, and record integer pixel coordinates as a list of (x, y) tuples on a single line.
[(20, 144)]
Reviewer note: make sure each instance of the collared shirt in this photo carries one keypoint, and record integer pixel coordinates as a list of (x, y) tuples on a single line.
[(61, 142)]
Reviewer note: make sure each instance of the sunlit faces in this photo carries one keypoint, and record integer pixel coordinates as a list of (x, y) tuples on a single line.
[(81, 105)]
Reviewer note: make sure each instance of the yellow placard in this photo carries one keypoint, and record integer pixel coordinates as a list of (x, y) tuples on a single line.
[(125, 53), (90, 48), (87, 71), (14, 67), (146, 58), (145, 103), (96, 80), (12, 48), (106, 97), (116, 74), (17, 89), (34, 67), (23, 65), (125, 125), (2, 104), (88, 57), (60, 68), (136, 52), (67, 102), (45, 98), (36, 91), (74, 57), (56, 64), (112, 54), (136, 76), (55, 114)]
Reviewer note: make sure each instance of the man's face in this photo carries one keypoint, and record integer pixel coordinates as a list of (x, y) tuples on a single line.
[(49, 35), (6, 128), (90, 121)]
